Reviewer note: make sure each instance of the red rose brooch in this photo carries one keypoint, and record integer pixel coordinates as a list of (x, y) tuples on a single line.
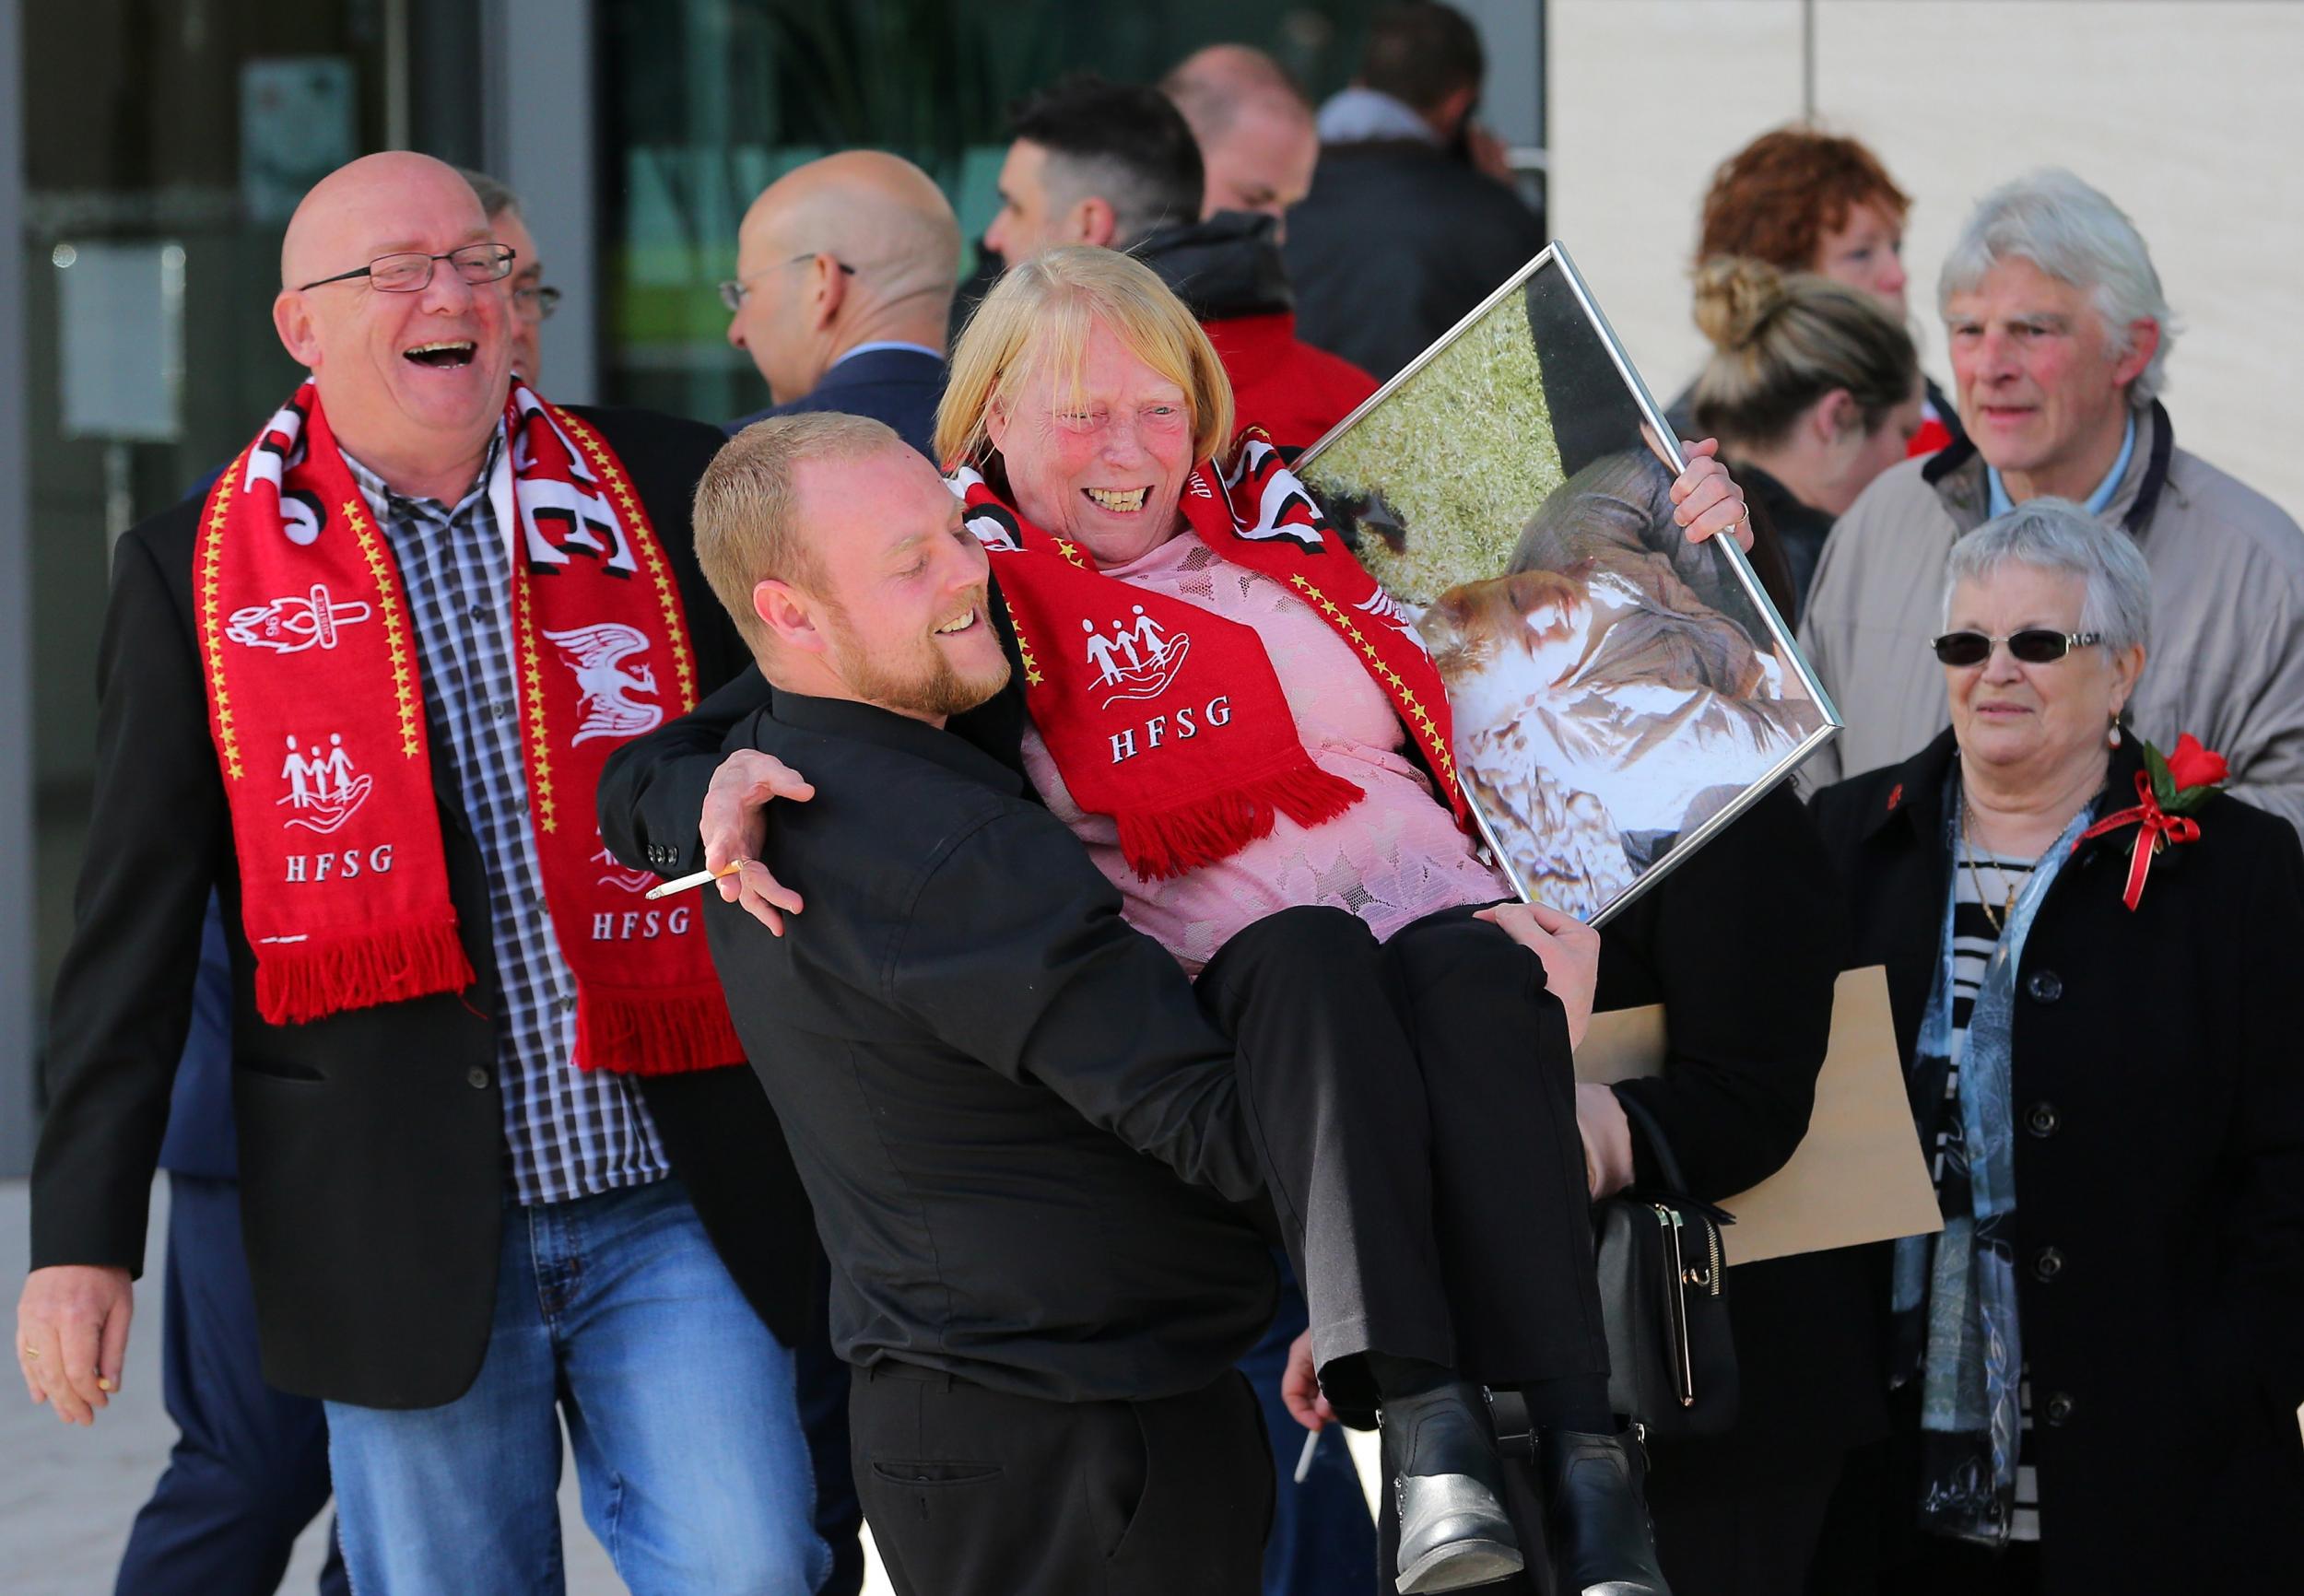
[(2168, 788)]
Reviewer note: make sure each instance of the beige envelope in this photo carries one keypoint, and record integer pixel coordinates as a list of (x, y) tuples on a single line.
[(1857, 1176)]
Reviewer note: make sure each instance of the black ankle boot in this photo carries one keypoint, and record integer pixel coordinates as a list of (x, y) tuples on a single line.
[(1449, 1490), (1596, 1515)]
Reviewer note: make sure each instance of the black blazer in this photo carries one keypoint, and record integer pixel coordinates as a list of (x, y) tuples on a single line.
[(901, 387), (2160, 1172), (1742, 944), (370, 1142)]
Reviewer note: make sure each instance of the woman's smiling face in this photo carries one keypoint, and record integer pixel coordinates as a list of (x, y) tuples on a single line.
[(1102, 461)]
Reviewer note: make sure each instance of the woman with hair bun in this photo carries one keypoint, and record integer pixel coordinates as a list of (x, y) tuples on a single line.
[(1813, 390), (1804, 200)]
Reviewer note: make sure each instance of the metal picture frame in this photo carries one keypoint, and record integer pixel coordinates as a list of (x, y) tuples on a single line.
[(1726, 575)]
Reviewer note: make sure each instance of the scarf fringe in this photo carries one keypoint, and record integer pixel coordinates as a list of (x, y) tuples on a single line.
[(658, 1031), (298, 983), (1161, 844)]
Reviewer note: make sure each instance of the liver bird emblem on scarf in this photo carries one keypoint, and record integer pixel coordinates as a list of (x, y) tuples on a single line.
[(596, 654)]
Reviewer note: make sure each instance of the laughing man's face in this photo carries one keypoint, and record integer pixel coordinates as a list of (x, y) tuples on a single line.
[(407, 375)]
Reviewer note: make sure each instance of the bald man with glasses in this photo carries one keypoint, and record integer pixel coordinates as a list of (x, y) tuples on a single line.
[(500, 1164), (845, 273)]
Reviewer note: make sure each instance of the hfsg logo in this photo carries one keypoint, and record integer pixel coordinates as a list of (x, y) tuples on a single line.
[(1181, 727), (339, 865), (641, 924)]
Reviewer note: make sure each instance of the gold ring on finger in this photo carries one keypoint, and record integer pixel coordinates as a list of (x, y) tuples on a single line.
[(31, 1352)]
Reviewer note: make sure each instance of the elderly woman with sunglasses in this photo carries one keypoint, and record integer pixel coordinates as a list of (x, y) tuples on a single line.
[(2096, 970)]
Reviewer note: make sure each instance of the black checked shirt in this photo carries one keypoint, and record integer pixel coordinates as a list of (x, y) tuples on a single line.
[(568, 1133)]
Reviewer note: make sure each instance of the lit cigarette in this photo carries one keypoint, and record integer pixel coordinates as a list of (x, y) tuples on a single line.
[(1304, 1458), (699, 879)]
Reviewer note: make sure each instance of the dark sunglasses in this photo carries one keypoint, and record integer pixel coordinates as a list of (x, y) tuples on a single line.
[(2032, 646)]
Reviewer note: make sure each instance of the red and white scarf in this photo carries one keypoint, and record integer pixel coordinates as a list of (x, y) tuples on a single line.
[(316, 708), (1169, 718)]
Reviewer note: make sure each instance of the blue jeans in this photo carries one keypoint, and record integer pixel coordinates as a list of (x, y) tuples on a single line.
[(1322, 1541), (615, 1312)]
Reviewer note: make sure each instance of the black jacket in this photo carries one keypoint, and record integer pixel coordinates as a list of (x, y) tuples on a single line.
[(2160, 1172), (1012, 1115), (1740, 944), (901, 387), (1397, 242), (1225, 265), (370, 1142)]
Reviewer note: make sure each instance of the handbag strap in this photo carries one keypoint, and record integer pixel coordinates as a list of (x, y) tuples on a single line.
[(1644, 1119)]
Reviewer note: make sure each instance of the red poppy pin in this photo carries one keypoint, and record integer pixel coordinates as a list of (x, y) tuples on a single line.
[(1896, 796), (2169, 789)]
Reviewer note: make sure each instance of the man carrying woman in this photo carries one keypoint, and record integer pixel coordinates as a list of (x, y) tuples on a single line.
[(1091, 417)]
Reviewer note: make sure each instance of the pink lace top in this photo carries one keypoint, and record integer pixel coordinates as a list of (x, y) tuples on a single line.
[(1390, 859)]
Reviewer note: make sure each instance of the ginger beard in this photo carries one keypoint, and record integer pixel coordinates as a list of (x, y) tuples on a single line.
[(922, 680)]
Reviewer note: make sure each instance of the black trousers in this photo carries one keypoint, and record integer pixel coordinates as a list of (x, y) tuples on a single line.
[(1724, 1529), (1413, 1103), (250, 1469), (972, 1492)]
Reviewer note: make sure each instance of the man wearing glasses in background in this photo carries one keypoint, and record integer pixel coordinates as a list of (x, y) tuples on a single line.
[(2060, 335), (484, 1114), (533, 299)]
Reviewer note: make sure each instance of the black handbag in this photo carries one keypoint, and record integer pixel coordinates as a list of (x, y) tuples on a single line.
[(1663, 1299)]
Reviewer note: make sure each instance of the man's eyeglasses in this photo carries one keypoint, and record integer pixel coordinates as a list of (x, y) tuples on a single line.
[(476, 264), (536, 303), (733, 292), (2032, 646)]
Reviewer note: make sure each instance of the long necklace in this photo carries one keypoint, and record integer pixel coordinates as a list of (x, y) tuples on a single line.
[(1968, 846)]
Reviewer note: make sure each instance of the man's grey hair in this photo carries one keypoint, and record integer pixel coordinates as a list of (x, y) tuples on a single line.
[(2076, 234), (2056, 535), (496, 198)]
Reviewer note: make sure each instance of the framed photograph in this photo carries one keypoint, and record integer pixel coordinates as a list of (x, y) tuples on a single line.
[(1619, 694)]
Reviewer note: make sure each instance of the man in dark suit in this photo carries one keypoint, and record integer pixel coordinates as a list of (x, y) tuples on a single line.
[(845, 271), (1410, 224), (451, 1230)]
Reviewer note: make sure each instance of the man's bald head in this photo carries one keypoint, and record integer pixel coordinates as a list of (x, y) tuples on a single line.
[(357, 205), (413, 384), (854, 248), (1256, 133), (1226, 71)]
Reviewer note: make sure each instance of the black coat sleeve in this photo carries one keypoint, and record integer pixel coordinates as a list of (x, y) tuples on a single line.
[(1740, 944), (652, 793), (2267, 1247), (158, 836), (1016, 955)]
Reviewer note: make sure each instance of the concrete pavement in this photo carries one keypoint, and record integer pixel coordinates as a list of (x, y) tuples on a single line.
[(68, 1495)]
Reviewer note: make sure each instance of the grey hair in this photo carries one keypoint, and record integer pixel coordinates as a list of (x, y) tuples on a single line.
[(2057, 534), (495, 197), (2076, 234)]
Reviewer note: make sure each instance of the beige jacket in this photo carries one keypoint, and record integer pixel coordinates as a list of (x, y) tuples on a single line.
[(2226, 660)]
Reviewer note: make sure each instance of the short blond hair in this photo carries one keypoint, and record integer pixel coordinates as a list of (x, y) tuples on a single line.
[(1041, 312), (747, 516)]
